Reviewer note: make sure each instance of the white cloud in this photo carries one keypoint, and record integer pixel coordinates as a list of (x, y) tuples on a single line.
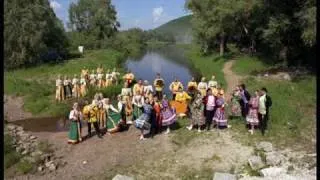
[(157, 13), (55, 5)]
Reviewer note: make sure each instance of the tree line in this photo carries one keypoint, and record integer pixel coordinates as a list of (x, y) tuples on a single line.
[(284, 30), (34, 35)]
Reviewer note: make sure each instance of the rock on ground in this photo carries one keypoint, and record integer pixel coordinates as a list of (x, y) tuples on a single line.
[(272, 171), (122, 177), (224, 176), (255, 162), (265, 146), (274, 158)]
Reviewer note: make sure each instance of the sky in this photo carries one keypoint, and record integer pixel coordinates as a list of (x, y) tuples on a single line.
[(145, 14)]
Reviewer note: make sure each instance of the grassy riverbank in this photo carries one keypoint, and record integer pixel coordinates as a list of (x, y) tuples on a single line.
[(37, 84)]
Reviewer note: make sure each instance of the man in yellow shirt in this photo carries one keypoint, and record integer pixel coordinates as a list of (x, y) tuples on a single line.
[(158, 85), (174, 87), (93, 119)]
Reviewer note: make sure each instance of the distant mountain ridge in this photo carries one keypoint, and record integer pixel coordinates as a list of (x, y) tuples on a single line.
[(180, 28)]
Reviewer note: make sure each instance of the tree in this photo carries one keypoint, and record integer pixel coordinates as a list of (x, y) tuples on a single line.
[(31, 30), (94, 20)]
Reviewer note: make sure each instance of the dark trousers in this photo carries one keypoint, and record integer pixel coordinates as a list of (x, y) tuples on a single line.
[(244, 109), (159, 94), (209, 115), (96, 127), (263, 121), (173, 96)]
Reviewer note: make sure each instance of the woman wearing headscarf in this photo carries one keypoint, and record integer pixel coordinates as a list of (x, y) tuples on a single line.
[(219, 118), (143, 122), (197, 117), (192, 87), (252, 117), (75, 127), (203, 86), (60, 95), (137, 101), (129, 77), (101, 82), (212, 83), (108, 79), (83, 86), (114, 76), (126, 92), (93, 120), (180, 103), (115, 122), (67, 87), (174, 87), (76, 87), (235, 103), (168, 114), (157, 112), (93, 78)]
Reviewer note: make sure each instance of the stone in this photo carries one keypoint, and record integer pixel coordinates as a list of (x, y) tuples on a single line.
[(224, 176), (47, 164), (265, 146), (11, 127), (274, 159), (286, 77), (52, 167), (25, 152), (19, 128), (272, 171), (40, 168), (19, 149), (255, 162), (33, 137), (122, 177)]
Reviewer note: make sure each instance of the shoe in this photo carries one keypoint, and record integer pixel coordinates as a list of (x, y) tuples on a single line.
[(167, 132), (189, 128), (141, 138), (199, 130), (229, 126)]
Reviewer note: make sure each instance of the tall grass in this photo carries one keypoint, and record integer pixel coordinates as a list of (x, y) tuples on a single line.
[(37, 84)]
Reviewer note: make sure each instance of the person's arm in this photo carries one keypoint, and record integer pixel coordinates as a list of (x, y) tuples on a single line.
[(113, 109), (170, 87)]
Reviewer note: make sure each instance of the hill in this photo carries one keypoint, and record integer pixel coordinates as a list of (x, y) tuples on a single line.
[(181, 29)]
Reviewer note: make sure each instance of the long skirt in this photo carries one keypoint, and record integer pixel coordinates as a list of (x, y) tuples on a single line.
[(219, 118), (142, 122), (60, 93), (197, 117), (76, 91), (137, 112), (93, 82), (102, 118), (203, 92), (83, 90), (101, 83), (180, 107), (113, 120), (108, 83), (68, 91), (235, 108), (168, 117), (252, 117), (74, 132)]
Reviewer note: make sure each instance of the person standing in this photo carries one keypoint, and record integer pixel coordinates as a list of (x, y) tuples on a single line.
[(174, 87), (126, 92), (235, 103), (67, 87), (158, 85), (252, 118), (197, 117), (219, 118), (143, 122), (192, 87), (129, 77), (212, 83), (75, 127), (168, 114), (93, 120), (93, 78), (210, 103), (114, 76), (180, 103), (83, 86), (108, 81), (76, 87), (245, 97), (60, 94), (203, 86), (137, 102), (147, 90), (265, 103), (157, 111), (138, 88)]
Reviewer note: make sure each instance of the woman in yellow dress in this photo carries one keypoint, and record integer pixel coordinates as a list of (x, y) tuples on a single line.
[(181, 102), (158, 84), (174, 87), (83, 86), (108, 78), (59, 89), (203, 86), (76, 87)]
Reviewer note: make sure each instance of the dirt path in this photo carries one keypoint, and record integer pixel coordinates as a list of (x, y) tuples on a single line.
[(232, 79)]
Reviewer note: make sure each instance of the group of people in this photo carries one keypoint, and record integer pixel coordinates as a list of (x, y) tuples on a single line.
[(254, 109), (77, 87), (146, 107)]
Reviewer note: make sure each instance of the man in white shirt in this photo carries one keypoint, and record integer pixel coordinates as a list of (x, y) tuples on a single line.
[(263, 110)]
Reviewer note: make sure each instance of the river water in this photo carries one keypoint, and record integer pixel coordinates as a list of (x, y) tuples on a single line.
[(169, 61)]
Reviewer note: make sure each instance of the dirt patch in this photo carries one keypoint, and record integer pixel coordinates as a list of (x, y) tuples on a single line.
[(13, 108)]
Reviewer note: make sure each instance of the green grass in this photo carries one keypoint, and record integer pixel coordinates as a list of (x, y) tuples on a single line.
[(11, 157), (247, 64), (37, 84)]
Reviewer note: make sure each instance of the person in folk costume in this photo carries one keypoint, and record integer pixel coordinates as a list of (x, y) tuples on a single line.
[(102, 112), (76, 87), (143, 122), (67, 87), (138, 88), (75, 126), (209, 102), (252, 117), (157, 110), (168, 114), (245, 97), (115, 76), (85, 72), (174, 87), (192, 87), (93, 120), (138, 102), (129, 77), (126, 92), (265, 103), (83, 86), (60, 95), (158, 85), (203, 86), (197, 116), (108, 79), (147, 89), (219, 118), (181, 102), (115, 122), (100, 79), (212, 83), (235, 103), (129, 111), (93, 78)]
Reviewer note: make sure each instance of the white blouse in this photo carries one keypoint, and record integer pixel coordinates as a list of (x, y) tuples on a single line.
[(202, 85), (148, 89), (126, 92), (59, 82), (83, 81), (212, 83), (100, 76), (75, 115), (108, 107), (138, 100), (75, 81)]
